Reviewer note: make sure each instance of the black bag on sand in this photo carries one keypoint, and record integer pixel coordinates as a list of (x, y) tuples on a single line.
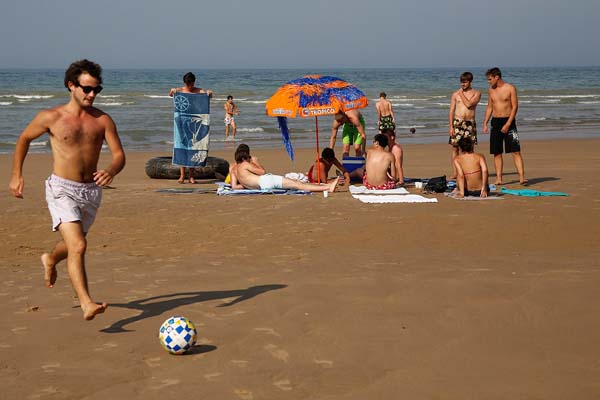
[(436, 185)]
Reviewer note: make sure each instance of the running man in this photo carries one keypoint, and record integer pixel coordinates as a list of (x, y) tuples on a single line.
[(503, 105), (230, 110), (189, 86), (385, 114), (73, 192), (462, 116)]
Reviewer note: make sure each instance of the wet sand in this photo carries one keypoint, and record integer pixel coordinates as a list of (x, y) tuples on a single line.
[(306, 297)]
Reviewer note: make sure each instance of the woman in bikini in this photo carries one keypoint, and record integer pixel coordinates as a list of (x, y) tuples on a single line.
[(472, 171)]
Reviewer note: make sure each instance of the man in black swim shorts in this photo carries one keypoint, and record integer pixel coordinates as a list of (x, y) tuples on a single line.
[(502, 108)]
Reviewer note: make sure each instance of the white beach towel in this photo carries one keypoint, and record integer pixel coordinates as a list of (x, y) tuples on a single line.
[(363, 190), (394, 198)]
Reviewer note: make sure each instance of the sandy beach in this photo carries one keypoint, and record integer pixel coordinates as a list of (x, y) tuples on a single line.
[(306, 297)]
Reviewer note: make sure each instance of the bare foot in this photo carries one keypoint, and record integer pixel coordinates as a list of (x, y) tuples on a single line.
[(192, 180), (49, 271), (181, 180), (92, 309), (333, 184), (524, 182), (499, 183)]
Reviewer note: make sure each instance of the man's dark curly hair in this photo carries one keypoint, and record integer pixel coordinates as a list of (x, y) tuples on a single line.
[(82, 66)]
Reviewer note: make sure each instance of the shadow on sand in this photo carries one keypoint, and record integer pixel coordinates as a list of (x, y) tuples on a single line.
[(154, 306)]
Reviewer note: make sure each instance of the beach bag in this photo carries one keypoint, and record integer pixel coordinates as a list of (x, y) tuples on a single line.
[(436, 185)]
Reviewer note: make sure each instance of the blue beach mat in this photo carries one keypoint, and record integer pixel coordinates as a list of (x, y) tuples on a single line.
[(226, 190), (191, 129), (530, 192)]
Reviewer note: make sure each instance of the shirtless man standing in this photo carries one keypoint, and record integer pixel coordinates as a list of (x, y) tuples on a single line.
[(189, 81), (502, 107), (398, 154), (74, 190), (352, 133), (247, 175), (385, 114), (380, 168), (462, 115), (230, 111)]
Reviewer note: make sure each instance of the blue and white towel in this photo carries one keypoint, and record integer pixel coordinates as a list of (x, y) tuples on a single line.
[(191, 129)]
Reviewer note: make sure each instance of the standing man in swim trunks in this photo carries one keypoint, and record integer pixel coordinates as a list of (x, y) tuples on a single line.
[(77, 131), (230, 110), (353, 131), (380, 167), (385, 114), (502, 107), (189, 81), (247, 175), (462, 116)]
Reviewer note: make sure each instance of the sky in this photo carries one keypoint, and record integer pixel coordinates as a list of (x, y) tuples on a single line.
[(312, 33)]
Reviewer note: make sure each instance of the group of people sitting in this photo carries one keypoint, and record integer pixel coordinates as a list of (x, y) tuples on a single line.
[(382, 169)]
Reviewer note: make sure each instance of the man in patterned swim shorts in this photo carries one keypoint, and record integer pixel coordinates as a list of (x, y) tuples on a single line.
[(385, 114), (380, 167), (462, 115)]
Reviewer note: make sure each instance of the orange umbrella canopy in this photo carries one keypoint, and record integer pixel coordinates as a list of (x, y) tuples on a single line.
[(315, 95)]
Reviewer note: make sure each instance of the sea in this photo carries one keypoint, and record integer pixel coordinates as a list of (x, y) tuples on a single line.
[(554, 102)]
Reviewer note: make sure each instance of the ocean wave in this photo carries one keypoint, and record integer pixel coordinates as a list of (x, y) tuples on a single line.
[(535, 119), (403, 105), (588, 102), (157, 96), (410, 126), (41, 143), (259, 129), (551, 101), (111, 96), (31, 96), (114, 103), (5, 103), (253, 101), (442, 104), (562, 96)]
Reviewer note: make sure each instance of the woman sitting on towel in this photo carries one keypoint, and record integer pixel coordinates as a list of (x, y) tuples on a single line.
[(325, 163), (472, 171)]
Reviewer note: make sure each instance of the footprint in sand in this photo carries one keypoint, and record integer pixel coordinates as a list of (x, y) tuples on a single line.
[(244, 394), (237, 363), (44, 392), (268, 331), (324, 363), (49, 368), (213, 376), (283, 385), (152, 362), (277, 353), (108, 345), (19, 329), (165, 383)]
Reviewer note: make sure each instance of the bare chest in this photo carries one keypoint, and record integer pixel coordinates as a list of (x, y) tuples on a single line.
[(75, 132)]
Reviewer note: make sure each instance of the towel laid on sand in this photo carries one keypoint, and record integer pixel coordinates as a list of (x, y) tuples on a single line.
[(190, 129), (223, 190), (393, 198), (530, 192), (364, 190), (185, 190)]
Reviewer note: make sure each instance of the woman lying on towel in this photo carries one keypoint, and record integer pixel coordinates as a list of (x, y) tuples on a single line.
[(472, 171)]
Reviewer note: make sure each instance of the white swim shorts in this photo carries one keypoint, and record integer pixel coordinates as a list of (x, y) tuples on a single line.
[(229, 120), (70, 201), (270, 181)]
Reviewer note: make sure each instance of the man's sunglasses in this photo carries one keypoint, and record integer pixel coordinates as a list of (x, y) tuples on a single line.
[(88, 89)]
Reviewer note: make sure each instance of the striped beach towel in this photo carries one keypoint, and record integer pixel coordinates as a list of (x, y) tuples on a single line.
[(191, 129)]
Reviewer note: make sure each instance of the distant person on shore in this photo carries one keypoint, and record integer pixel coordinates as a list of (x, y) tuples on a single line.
[(472, 170), (461, 117), (398, 154), (230, 111), (353, 131), (380, 166), (503, 105), (247, 175), (328, 160), (74, 190), (189, 81), (385, 114)]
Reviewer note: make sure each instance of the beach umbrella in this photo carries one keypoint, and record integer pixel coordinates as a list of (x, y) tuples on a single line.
[(313, 96)]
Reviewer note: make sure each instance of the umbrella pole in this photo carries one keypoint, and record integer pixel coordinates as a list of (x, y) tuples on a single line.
[(318, 158)]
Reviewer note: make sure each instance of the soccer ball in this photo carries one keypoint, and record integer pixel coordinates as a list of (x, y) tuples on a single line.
[(177, 335)]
